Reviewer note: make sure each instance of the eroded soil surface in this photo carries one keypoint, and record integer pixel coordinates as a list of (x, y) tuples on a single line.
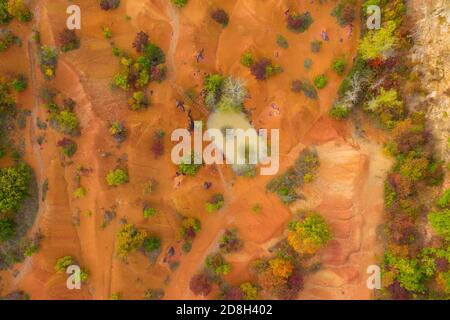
[(348, 191)]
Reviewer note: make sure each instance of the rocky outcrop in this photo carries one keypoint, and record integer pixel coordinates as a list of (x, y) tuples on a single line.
[(432, 46)]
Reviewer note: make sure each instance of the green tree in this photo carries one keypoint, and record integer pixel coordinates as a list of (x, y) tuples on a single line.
[(7, 229), (128, 240), (14, 183), (339, 66), (66, 122), (117, 177), (149, 211), (213, 83), (152, 244), (440, 221), (19, 84), (339, 111), (387, 106), (63, 263), (321, 81), (309, 235), (407, 272), (444, 200), (378, 43), (247, 59), (189, 169)]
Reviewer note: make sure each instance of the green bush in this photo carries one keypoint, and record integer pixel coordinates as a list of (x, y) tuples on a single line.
[(129, 239), (138, 101), (378, 43), (20, 83), (414, 168), (189, 169), (213, 83), (118, 131), (68, 40), (14, 183), (149, 211), (180, 3), (299, 22), (14, 9), (218, 265), (66, 122), (117, 177), (387, 107), (407, 272), (63, 263), (137, 73), (107, 32), (80, 192), (152, 244), (247, 59), (440, 221), (339, 66), (339, 111), (215, 203), (345, 12), (48, 59), (68, 147), (390, 196), (309, 235), (282, 42), (7, 39), (153, 54), (303, 171), (321, 81), (121, 81), (5, 17), (7, 229), (444, 200)]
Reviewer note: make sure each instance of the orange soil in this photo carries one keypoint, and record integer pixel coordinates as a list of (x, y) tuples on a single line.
[(348, 190)]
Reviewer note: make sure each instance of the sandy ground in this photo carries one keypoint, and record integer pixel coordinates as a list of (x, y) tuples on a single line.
[(348, 190)]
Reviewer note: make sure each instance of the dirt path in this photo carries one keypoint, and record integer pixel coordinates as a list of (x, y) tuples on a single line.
[(174, 21)]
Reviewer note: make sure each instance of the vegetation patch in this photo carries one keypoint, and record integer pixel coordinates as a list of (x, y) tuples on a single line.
[(48, 60), (8, 39), (109, 4), (117, 177), (10, 9), (179, 3), (308, 235), (220, 16), (345, 12), (128, 240), (137, 73), (303, 171), (306, 87), (68, 40), (215, 203), (299, 22), (190, 227)]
